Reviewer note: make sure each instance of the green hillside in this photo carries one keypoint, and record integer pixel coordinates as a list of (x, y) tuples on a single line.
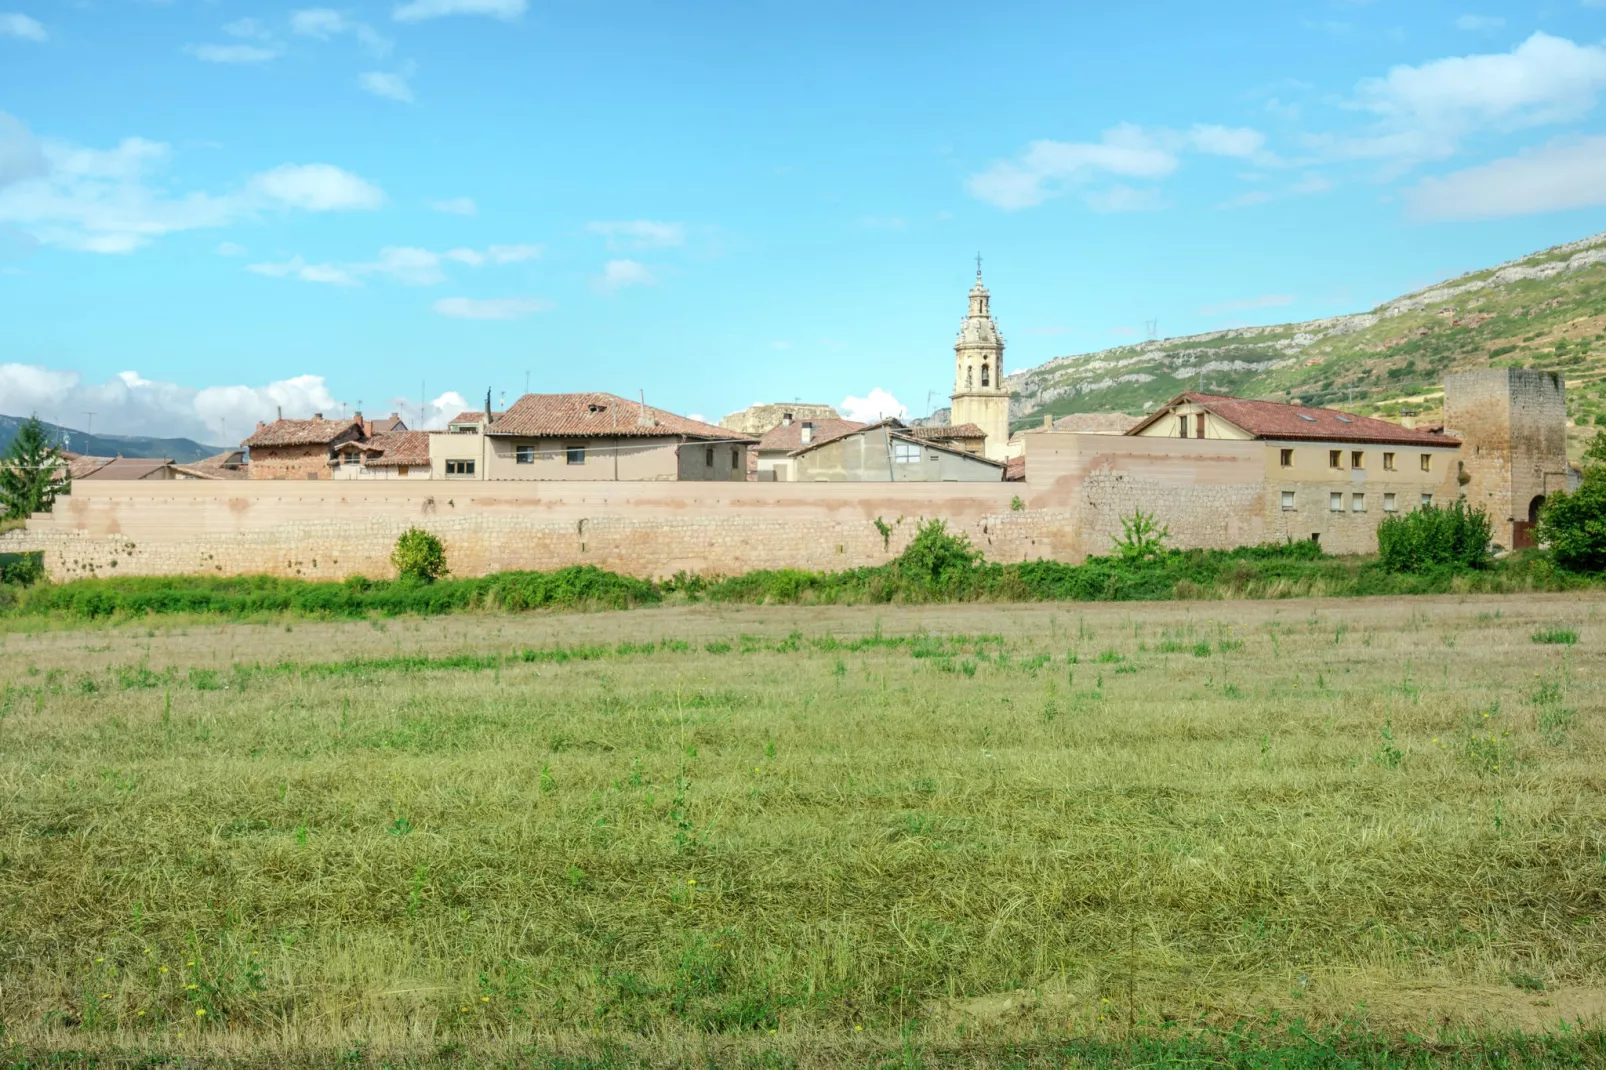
[(182, 450), (1544, 311)]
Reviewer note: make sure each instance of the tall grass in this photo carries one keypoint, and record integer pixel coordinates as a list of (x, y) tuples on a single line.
[(1117, 824)]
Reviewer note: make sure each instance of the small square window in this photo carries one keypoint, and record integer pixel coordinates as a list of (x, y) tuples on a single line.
[(1335, 458), (1427, 462), (1357, 503), (524, 455), (1335, 502), (1287, 457), (906, 452), (1427, 499), (1388, 462), (574, 455), (1357, 459), (1388, 504), (1288, 499), (708, 457)]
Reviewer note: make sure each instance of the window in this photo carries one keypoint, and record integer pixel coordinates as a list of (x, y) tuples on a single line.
[(708, 457), (1335, 458), (1388, 504), (1287, 458), (906, 452), (401, 470), (1198, 425), (574, 455), (1427, 499), (985, 381), (1357, 503), (736, 460), (1288, 499), (1335, 502), (1357, 459), (459, 468), (1388, 462), (524, 455), (1182, 424), (1427, 462)]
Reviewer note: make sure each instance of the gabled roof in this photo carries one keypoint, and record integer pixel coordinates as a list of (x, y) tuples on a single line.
[(315, 432), (129, 468), (788, 437), (473, 416), (230, 464), (592, 415), (955, 433), (899, 433), (398, 447), (1015, 470), (1096, 423), (80, 465), (1275, 420)]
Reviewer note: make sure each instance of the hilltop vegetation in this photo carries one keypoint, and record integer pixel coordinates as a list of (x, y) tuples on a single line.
[(1545, 311)]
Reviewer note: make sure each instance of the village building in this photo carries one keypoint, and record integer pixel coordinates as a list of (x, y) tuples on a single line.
[(980, 397), (301, 449), (1079, 423), (387, 455), (772, 457), (890, 452), (230, 464), (586, 437)]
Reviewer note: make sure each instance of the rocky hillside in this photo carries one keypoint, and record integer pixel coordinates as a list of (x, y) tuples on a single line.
[(1546, 311)]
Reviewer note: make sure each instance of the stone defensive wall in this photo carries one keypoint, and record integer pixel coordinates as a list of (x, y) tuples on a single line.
[(1211, 493)]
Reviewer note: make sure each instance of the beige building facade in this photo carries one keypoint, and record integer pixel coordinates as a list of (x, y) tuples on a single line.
[(888, 452)]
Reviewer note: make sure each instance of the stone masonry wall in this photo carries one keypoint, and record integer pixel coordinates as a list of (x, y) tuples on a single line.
[(291, 462), (1513, 426)]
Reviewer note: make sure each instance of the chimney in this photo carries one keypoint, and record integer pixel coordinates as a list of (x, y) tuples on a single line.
[(280, 410), (807, 433), (1048, 421), (786, 419), (643, 420), (395, 416), (1408, 419), (317, 416), (260, 425), (357, 416)]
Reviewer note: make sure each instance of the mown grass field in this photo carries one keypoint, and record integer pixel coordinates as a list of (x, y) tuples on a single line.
[(944, 835)]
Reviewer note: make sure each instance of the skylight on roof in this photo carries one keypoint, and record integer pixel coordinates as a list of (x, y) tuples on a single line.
[(1306, 416), (1343, 419)]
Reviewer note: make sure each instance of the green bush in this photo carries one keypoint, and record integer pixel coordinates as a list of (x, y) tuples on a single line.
[(936, 559), (1573, 525), (21, 570), (1429, 538), (419, 556)]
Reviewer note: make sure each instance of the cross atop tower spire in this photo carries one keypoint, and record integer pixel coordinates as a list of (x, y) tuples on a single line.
[(978, 267)]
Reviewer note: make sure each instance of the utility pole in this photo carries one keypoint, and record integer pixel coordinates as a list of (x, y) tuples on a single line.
[(1151, 328), (89, 428)]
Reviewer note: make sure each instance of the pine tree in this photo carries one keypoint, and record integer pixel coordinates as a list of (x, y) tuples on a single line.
[(32, 473)]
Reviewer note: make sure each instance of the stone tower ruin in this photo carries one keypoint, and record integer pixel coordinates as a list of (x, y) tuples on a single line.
[(1512, 423)]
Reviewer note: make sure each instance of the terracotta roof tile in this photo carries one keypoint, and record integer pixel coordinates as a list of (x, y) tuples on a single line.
[(945, 433), (591, 415), (80, 465), (130, 468), (301, 432), (1275, 420), (398, 447), (1096, 423), (1015, 470), (473, 416), (790, 437)]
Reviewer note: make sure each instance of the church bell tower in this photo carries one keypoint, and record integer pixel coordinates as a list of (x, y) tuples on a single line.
[(979, 396)]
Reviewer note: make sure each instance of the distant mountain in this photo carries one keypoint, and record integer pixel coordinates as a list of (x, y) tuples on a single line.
[(182, 450), (1544, 311)]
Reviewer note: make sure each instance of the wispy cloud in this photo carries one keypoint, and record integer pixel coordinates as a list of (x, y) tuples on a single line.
[(1122, 198), (326, 24), (229, 248), (621, 274), (1478, 23), (1567, 173), (388, 84), (403, 264), (297, 268), (22, 27), (495, 308), (238, 54), (1247, 199), (419, 10), (456, 206), (318, 187), (640, 233)]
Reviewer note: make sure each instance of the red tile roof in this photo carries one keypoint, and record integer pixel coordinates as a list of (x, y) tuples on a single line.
[(1015, 470), (473, 416), (383, 425), (590, 415), (301, 432), (129, 468), (945, 433), (80, 465), (789, 437), (1275, 420), (1096, 423), (230, 464), (398, 447)]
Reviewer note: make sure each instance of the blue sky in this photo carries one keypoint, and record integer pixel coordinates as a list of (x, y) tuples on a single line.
[(208, 210)]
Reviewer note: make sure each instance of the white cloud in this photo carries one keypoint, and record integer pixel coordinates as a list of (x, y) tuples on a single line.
[(232, 53), (407, 265), (128, 403), (1566, 173), (1235, 141), (1247, 199), (456, 206), (699, 417), (387, 84), (1248, 304), (471, 257), (1291, 112), (512, 254), (496, 308), (620, 274), (325, 24), (20, 26), (1125, 199), (252, 29), (229, 248), (419, 10), (297, 268), (318, 187), (21, 156), (640, 233), (1479, 22), (878, 404), (1047, 168), (1424, 112)]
